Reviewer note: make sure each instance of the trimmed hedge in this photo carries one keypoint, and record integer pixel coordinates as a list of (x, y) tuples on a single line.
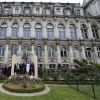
[(26, 90)]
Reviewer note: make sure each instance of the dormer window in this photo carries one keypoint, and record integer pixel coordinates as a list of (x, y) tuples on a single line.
[(6, 10), (47, 11), (67, 11), (17, 10), (77, 11), (37, 10), (27, 11)]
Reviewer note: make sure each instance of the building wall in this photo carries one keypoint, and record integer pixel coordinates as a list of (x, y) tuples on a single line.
[(75, 48)]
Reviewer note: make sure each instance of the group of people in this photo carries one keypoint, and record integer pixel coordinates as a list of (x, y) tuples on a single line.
[(24, 68), (19, 68)]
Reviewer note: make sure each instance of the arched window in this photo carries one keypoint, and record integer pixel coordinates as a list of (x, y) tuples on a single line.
[(95, 31), (50, 31), (72, 31), (98, 51), (14, 30), (26, 30), (84, 31), (2, 50), (38, 31), (76, 52), (3, 30), (61, 30), (63, 52), (50, 51), (13, 50), (39, 51), (88, 52)]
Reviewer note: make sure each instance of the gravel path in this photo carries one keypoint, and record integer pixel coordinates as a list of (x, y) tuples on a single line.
[(47, 89)]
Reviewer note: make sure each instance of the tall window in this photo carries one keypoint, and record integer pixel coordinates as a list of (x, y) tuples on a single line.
[(61, 30), (76, 52), (63, 52), (39, 51), (72, 31), (26, 30), (16, 10), (88, 52), (98, 51), (95, 31), (50, 31), (13, 50), (50, 51), (84, 31), (7, 10), (3, 30), (38, 31), (2, 50), (15, 30)]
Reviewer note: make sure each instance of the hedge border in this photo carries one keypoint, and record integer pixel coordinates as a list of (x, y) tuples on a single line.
[(23, 90)]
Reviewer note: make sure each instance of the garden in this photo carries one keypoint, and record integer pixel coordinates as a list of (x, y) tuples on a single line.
[(79, 83)]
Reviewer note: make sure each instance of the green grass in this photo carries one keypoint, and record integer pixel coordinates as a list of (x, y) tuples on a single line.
[(87, 89), (59, 92)]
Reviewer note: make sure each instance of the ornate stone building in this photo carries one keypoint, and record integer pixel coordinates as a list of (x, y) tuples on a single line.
[(56, 32)]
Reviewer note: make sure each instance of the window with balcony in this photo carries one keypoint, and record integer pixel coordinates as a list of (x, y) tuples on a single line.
[(26, 30), (2, 50), (38, 31), (50, 31), (98, 51), (73, 31), (63, 52), (50, 52), (61, 30), (88, 52), (15, 30), (84, 31), (95, 31), (3, 30), (13, 50), (39, 51)]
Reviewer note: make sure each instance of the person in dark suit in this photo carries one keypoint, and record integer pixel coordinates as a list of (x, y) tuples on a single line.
[(31, 68)]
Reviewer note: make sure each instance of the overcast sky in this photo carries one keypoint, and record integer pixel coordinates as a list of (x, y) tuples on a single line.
[(65, 1)]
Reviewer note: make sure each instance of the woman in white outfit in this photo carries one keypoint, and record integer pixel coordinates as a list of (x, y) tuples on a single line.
[(27, 68)]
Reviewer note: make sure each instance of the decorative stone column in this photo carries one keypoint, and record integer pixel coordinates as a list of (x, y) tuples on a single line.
[(20, 51), (34, 60), (58, 52), (32, 33), (83, 56), (21, 29), (96, 54), (67, 31), (7, 51), (56, 34), (44, 30), (9, 29), (71, 53), (90, 35), (45, 54), (78, 30)]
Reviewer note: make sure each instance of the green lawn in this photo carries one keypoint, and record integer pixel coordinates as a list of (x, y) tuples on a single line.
[(56, 93)]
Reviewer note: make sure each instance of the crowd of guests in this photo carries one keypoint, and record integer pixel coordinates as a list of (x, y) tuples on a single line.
[(21, 69), (24, 68)]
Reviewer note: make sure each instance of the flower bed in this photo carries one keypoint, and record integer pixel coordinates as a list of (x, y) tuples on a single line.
[(23, 84)]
